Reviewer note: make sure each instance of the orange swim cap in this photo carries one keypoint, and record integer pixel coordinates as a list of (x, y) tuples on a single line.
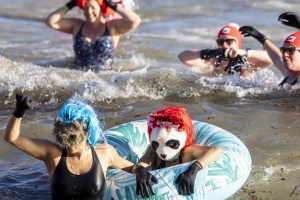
[(231, 30), (104, 8), (293, 39)]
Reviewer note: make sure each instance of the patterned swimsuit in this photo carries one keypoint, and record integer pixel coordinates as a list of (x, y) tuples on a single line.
[(96, 55)]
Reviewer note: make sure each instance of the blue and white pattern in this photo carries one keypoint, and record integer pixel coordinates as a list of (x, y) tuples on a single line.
[(219, 180)]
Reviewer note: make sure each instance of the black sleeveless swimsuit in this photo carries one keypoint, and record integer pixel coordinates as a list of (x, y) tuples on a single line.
[(286, 78), (88, 186), (163, 163)]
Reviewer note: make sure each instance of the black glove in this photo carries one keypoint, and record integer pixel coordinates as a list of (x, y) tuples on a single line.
[(234, 63), (207, 54), (250, 31), (23, 103), (143, 181), (186, 179), (72, 4), (291, 19), (111, 4)]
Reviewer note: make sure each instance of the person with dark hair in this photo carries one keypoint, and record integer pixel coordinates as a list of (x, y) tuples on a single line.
[(229, 57), (78, 161), (96, 38)]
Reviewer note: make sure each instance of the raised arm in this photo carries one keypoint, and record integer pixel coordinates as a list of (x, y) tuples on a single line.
[(273, 52), (37, 148), (290, 19), (276, 57), (130, 20), (56, 21)]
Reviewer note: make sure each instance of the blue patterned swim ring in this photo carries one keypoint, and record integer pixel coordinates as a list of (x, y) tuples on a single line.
[(219, 180)]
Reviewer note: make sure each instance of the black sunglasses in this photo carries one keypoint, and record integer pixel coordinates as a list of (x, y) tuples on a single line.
[(220, 42), (289, 50)]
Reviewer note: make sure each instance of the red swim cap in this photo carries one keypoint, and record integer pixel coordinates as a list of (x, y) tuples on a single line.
[(293, 39), (104, 8), (231, 30)]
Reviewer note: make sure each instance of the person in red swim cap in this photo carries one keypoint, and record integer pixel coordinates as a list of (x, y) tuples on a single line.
[(95, 38), (287, 57), (229, 57)]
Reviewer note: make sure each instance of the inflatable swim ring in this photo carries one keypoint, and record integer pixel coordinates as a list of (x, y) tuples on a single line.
[(219, 180)]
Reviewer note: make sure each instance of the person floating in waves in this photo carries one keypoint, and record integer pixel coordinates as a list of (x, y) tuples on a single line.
[(229, 57), (171, 135), (76, 163)]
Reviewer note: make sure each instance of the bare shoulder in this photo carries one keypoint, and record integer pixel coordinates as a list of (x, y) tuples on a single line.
[(196, 147), (105, 150)]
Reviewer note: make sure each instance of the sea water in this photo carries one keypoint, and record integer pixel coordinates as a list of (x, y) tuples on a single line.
[(148, 76)]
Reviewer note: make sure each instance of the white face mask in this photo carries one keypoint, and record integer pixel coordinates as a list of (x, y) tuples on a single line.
[(167, 142)]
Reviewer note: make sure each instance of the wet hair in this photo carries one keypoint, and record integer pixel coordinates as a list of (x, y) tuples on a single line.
[(76, 109)]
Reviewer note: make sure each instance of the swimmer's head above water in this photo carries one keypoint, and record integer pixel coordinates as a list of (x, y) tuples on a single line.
[(230, 31), (102, 3), (77, 122)]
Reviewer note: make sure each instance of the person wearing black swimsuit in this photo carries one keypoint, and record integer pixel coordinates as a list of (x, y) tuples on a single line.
[(287, 57), (77, 162)]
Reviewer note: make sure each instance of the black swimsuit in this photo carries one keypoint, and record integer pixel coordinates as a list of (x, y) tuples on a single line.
[(286, 78), (89, 186), (163, 163)]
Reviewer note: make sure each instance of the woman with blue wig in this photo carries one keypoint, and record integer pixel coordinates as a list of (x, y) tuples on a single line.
[(77, 162)]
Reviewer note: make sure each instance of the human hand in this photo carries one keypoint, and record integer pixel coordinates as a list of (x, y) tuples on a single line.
[(234, 64), (233, 52), (23, 103), (207, 54), (72, 4), (250, 31), (290, 19), (143, 181), (186, 180), (111, 4)]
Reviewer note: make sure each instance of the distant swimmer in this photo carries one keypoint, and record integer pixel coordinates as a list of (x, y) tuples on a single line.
[(96, 38), (76, 163), (229, 57), (286, 59)]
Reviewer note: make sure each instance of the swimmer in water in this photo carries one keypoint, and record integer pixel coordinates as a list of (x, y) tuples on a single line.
[(95, 38), (286, 59), (76, 163), (229, 57)]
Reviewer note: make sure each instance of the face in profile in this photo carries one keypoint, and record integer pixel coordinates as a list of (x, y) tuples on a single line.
[(290, 57)]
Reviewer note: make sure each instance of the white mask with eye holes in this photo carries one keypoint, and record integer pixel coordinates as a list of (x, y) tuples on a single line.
[(167, 142)]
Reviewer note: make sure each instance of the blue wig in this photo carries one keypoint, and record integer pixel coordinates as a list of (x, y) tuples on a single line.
[(77, 109)]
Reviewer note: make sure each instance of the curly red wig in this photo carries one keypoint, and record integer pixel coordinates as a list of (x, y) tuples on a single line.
[(178, 117), (104, 8)]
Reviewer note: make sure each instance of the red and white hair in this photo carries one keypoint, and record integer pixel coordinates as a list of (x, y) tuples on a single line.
[(173, 117)]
